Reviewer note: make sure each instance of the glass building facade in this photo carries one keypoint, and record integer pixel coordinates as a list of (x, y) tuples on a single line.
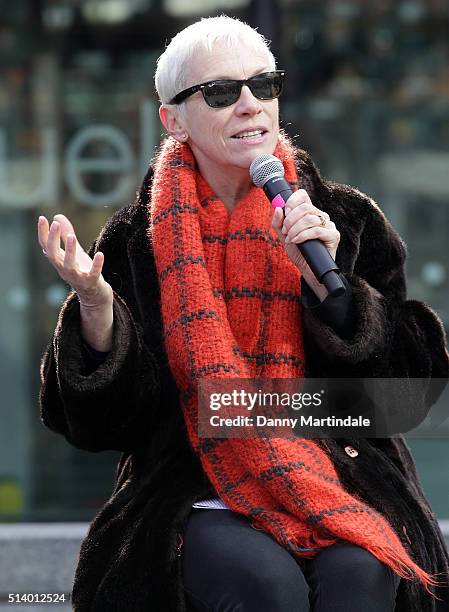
[(367, 95)]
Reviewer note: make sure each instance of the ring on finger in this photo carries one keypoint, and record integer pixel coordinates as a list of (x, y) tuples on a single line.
[(323, 220)]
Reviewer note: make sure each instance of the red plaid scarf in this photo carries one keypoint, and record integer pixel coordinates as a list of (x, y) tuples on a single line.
[(205, 257)]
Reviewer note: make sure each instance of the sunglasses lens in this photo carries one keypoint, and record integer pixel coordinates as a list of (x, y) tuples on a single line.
[(224, 93), (219, 95), (267, 86)]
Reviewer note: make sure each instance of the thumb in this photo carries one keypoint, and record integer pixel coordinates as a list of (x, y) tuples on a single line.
[(277, 221)]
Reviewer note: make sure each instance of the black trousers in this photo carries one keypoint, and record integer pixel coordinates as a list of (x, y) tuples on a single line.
[(228, 566)]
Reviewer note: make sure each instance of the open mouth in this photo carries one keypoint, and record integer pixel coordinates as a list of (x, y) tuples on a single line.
[(250, 134)]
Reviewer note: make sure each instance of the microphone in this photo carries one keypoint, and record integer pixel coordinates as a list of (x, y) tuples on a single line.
[(267, 171)]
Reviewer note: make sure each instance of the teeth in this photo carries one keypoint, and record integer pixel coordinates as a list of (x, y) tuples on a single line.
[(250, 134)]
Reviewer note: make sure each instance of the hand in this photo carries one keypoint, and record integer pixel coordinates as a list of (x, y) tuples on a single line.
[(303, 221), (74, 265)]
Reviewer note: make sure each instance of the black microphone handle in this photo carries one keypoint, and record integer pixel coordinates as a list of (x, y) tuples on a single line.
[(314, 252)]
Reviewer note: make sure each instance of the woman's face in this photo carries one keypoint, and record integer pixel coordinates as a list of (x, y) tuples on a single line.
[(213, 133)]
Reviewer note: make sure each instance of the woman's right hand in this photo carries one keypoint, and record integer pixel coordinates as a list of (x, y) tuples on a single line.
[(73, 264)]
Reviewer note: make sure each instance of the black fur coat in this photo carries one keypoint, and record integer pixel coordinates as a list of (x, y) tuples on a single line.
[(129, 561)]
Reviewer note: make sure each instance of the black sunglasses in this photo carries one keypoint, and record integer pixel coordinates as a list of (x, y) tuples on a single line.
[(219, 94)]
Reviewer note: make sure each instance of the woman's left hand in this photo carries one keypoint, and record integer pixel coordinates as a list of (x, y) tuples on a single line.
[(304, 221)]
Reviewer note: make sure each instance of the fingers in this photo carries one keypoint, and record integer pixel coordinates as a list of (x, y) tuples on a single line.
[(54, 252), (73, 264), (65, 225), (330, 237), (304, 221), (307, 222), (50, 237), (301, 215), (298, 205), (298, 198), (97, 264), (277, 220), (307, 225), (303, 209), (310, 226), (291, 228), (70, 259), (42, 231), (70, 252)]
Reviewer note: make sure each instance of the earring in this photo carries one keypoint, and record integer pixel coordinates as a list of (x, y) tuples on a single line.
[(183, 137)]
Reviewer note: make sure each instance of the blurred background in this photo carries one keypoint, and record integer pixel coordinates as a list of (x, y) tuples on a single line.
[(367, 96)]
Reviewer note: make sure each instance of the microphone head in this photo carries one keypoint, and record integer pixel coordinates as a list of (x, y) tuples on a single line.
[(264, 168)]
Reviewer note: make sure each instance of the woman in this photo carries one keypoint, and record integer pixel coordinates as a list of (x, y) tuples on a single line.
[(166, 298)]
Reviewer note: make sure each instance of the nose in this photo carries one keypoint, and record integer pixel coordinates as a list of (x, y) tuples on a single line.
[(247, 104)]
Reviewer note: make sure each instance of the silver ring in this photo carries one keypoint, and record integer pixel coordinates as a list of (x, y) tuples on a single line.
[(323, 220), (45, 252)]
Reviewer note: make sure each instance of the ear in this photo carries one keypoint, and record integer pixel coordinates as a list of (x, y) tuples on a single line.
[(172, 122)]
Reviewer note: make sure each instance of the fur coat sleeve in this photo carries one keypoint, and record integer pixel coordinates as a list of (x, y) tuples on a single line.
[(109, 407), (393, 337)]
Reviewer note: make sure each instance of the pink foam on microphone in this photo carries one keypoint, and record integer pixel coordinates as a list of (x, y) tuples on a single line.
[(277, 201)]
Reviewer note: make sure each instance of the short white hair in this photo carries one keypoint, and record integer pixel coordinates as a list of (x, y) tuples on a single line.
[(171, 70)]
